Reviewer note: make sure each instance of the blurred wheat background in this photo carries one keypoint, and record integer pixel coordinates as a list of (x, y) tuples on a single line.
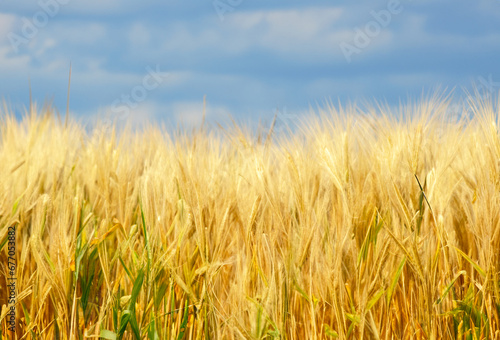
[(358, 225)]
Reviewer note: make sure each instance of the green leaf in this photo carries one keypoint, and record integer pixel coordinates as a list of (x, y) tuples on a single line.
[(135, 326), (124, 322), (462, 272), (4, 242), (125, 267), (184, 322), (354, 318), (275, 334), (421, 205), (474, 264), (395, 280), (350, 329), (374, 299), (136, 289), (152, 333), (330, 332), (26, 313), (16, 204), (160, 294), (146, 240), (107, 335), (133, 297), (128, 315), (301, 291)]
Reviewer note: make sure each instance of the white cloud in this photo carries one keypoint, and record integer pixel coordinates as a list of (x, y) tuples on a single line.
[(310, 31), (413, 33), (190, 114), (44, 46), (181, 37), (17, 64), (408, 79), (96, 6), (187, 113), (301, 31), (289, 24), (77, 32), (6, 25), (143, 114), (139, 34)]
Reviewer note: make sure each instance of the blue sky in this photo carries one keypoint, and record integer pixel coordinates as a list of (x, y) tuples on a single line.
[(155, 60)]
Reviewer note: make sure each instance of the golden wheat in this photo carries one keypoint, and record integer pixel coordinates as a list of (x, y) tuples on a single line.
[(360, 225)]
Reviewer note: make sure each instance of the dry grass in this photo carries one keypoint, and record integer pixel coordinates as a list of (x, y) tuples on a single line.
[(360, 226)]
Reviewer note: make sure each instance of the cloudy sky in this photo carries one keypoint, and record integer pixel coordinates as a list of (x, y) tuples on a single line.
[(157, 59)]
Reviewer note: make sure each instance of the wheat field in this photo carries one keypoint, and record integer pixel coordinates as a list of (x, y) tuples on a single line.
[(359, 224)]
